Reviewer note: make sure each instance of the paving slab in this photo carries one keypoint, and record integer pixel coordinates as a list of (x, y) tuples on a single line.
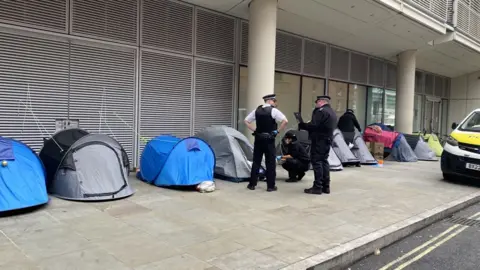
[(231, 228)]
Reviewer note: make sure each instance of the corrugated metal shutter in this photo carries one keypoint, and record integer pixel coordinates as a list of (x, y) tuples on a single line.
[(463, 16), (167, 25), (419, 82), (435, 7), (42, 14), (215, 35), (102, 92), (439, 86), (376, 72), (358, 68), (116, 20), (244, 44), (429, 84), (391, 82), (213, 94), (314, 58), (42, 67), (165, 95), (288, 53), (339, 63)]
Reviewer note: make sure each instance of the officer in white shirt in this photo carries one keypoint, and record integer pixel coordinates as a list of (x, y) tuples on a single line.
[(266, 117)]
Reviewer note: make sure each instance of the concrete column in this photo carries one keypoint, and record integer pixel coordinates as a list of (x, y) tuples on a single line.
[(404, 109), (261, 51)]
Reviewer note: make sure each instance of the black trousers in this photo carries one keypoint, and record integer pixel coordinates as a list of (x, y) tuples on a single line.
[(266, 147), (319, 158), (349, 137), (294, 167)]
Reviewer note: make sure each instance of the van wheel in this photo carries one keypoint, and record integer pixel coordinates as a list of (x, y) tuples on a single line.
[(447, 177)]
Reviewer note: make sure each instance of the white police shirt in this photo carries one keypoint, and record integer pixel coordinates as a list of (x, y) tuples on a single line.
[(276, 114)]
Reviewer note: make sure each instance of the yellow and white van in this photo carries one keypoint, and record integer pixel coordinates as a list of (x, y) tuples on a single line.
[(461, 152)]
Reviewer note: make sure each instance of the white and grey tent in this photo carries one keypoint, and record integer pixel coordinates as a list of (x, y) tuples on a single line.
[(420, 148), (342, 150), (361, 151), (85, 167), (401, 151), (302, 137), (233, 152)]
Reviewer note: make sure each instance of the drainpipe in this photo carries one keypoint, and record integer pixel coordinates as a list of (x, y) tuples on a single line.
[(455, 13)]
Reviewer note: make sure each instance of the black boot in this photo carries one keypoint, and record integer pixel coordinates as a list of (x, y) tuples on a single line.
[(270, 189), (251, 186), (300, 176), (326, 190), (314, 190)]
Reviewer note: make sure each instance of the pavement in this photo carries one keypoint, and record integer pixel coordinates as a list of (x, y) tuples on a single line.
[(231, 228), (451, 243)]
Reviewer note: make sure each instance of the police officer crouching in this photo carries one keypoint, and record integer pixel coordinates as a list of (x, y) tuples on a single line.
[(266, 117), (320, 129)]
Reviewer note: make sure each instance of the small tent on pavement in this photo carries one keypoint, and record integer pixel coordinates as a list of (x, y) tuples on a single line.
[(420, 148), (22, 177), (302, 137), (361, 151), (342, 150), (85, 167), (168, 161), (401, 151), (233, 152), (434, 143)]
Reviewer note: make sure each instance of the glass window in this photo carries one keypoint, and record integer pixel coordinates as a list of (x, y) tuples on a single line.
[(356, 102), (338, 93), (472, 123), (417, 113), (389, 107), (311, 88), (374, 105), (287, 88)]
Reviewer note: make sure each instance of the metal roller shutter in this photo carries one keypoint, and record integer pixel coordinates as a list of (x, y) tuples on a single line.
[(439, 86), (339, 63), (244, 44), (215, 36), (213, 94), (35, 66), (51, 15), (429, 84), (358, 68), (314, 58), (376, 72), (165, 95), (419, 82), (116, 20), (288, 53), (102, 92), (391, 82), (167, 25)]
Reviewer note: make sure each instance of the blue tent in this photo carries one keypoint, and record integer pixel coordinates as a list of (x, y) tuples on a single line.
[(171, 161), (22, 176)]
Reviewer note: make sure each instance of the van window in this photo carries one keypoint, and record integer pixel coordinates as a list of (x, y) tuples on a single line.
[(472, 123)]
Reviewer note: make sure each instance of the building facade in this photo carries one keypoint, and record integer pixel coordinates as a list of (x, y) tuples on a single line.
[(135, 69)]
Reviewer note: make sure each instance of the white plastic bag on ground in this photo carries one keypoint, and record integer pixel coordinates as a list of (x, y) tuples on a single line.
[(206, 186)]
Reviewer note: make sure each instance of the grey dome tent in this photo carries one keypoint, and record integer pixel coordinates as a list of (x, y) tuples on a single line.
[(420, 148), (233, 152), (342, 150), (85, 167), (361, 151), (401, 151), (302, 137)]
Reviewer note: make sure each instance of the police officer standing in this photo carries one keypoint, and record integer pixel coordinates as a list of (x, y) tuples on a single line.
[(320, 129), (266, 117)]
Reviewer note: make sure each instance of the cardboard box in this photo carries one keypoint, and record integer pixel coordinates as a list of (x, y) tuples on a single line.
[(376, 149)]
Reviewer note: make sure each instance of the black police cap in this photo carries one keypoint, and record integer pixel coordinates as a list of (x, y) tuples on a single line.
[(269, 97), (323, 97)]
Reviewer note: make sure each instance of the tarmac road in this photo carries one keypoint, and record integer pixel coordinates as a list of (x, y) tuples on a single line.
[(450, 244)]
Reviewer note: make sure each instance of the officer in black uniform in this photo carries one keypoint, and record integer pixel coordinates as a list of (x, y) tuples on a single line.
[(320, 129), (295, 156), (267, 129)]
